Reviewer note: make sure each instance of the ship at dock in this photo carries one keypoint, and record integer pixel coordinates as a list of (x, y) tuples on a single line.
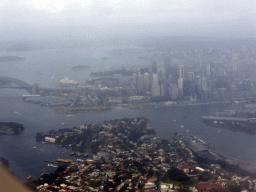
[(243, 120), (11, 128)]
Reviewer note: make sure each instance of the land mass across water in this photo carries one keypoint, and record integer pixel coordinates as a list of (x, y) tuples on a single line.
[(11, 128), (81, 68), (11, 58), (127, 154)]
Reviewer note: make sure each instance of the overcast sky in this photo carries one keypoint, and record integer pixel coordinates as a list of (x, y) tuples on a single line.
[(82, 19)]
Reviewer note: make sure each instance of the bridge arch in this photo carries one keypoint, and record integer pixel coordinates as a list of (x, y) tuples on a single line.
[(12, 83)]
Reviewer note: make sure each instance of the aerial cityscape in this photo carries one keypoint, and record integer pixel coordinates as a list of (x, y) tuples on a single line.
[(119, 95), (127, 153)]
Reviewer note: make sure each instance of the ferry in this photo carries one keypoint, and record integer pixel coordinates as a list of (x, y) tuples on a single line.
[(64, 160)]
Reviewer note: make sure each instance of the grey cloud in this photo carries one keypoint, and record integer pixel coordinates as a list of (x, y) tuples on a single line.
[(163, 17)]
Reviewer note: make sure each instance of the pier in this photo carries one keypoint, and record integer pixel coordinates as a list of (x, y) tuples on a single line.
[(224, 119)]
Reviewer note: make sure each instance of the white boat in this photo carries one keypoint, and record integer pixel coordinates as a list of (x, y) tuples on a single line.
[(182, 126), (70, 115)]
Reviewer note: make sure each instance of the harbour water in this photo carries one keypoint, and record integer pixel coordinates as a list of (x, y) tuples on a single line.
[(47, 67), (26, 156)]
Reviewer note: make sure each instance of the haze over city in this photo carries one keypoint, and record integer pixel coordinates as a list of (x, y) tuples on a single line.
[(128, 95), (24, 19)]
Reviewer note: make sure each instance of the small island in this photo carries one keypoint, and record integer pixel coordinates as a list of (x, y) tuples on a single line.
[(11, 128), (81, 68), (11, 58)]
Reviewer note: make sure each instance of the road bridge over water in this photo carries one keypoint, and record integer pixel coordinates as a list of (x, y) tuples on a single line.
[(12, 83)]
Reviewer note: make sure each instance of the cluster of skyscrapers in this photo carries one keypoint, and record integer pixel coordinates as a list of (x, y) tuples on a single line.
[(168, 80)]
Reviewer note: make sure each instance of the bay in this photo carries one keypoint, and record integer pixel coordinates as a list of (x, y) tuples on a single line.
[(27, 156)]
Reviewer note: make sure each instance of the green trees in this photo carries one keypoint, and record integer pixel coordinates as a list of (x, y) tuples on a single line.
[(176, 175), (205, 176)]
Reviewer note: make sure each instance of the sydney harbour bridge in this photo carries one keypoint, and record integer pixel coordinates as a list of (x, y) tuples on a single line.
[(12, 83)]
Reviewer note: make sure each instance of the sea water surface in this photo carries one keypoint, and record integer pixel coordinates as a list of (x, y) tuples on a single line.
[(27, 156)]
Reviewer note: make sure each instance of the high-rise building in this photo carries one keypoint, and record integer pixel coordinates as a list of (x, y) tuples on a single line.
[(146, 82), (140, 83), (198, 82), (188, 88), (154, 67), (175, 78), (167, 67), (143, 70), (173, 91), (155, 86), (235, 58), (160, 77), (191, 76), (162, 89), (180, 87), (204, 83), (169, 81), (135, 81), (208, 70), (181, 72)]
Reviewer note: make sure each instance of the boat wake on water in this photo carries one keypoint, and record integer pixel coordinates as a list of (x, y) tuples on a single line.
[(29, 118)]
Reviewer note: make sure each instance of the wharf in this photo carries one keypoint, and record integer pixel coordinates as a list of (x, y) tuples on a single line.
[(229, 119)]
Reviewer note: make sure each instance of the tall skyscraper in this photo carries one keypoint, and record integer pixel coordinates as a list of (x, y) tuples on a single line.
[(181, 72), (169, 79), (191, 76), (160, 77), (208, 70), (146, 82), (173, 91), (175, 78), (155, 86), (235, 61), (180, 87), (154, 67), (140, 83), (135, 82), (162, 89), (204, 83), (167, 67), (198, 81)]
